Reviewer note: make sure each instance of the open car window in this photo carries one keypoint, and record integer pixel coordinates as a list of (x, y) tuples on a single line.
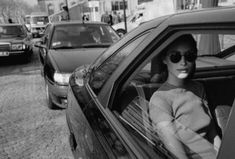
[(214, 70)]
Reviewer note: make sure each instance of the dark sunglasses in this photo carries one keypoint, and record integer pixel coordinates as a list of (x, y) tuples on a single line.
[(189, 56)]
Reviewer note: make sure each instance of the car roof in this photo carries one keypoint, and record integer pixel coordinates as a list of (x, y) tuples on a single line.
[(77, 22)]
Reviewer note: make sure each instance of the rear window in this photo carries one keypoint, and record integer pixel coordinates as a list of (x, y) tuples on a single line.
[(6, 31)]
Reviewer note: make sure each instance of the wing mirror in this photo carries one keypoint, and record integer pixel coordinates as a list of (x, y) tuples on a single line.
[(38, 43)]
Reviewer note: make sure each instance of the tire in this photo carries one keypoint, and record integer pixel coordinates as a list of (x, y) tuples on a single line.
[(50, 104), (121, 32)]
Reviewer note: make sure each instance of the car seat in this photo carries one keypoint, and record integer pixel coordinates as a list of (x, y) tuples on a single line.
[(222, 113)]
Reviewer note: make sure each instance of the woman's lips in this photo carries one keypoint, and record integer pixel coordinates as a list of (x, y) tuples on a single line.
[(182, 70), (183, 73)]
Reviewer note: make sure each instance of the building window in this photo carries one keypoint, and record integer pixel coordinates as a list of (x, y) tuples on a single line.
[(223, 1), (121, 5), (118, 5), (143, 1)]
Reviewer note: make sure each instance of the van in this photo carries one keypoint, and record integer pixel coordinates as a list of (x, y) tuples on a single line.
[(132, 22), (36, 23), (148, 11)]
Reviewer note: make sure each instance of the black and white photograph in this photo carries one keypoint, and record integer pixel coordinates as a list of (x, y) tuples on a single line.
[(117, 79)]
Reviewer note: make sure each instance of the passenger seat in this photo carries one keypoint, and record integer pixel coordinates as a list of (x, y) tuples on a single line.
[(222, 113)]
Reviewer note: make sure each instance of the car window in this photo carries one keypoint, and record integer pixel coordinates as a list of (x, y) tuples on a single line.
[(11, 31), (102, 73), (214, 43), (131, 103), (83, 36)]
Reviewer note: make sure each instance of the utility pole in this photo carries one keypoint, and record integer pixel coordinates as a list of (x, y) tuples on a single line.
[(124, 14), (67, 9)]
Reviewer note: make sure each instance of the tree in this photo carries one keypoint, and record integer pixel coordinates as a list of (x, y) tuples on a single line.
[(14, 10)]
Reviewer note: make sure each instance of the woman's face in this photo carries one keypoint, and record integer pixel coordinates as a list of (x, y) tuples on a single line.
[(180, 60)]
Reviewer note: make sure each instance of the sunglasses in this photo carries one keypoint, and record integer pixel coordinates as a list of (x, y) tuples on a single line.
[(189, 56)]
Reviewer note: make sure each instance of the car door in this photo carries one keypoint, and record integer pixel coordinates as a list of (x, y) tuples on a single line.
[(131, 91), (103, 122)]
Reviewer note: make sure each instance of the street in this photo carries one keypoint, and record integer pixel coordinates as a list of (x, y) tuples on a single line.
[(28, 128)]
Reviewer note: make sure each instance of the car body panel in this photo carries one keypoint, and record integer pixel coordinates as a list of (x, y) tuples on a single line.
[(95, 107), (69, 59), (57, 93)]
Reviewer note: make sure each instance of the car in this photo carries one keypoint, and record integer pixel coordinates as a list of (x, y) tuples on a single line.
[(108, 113), (15, 40), (66, 45)]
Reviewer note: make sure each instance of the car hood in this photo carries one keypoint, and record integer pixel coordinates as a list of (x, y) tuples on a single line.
[(67, 60)]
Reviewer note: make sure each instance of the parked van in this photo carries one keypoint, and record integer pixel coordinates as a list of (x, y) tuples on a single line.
[(132, 22), (149, 11)]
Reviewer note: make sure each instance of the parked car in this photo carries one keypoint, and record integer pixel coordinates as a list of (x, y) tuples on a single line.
[(15, 40), (65, 46), (107, 112)]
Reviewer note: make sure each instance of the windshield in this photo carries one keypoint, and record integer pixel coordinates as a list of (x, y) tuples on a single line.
[(11, 31), (83, 36), (40, 20)]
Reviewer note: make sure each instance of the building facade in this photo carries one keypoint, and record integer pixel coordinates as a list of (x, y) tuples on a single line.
[(95, 8)]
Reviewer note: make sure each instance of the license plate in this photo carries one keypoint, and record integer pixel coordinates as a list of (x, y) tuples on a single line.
[(4, 53)]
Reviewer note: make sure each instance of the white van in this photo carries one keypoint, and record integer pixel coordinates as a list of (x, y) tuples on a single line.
[(36, 23), (132, 22), (150, 11)]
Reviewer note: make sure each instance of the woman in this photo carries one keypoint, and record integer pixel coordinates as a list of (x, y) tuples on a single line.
[(178, 109)]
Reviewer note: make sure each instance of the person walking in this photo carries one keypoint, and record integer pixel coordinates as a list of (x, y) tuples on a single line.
[(105, 17)]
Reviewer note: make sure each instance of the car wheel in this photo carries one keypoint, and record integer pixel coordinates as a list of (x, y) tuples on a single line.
[(50, 104), (121, 32)]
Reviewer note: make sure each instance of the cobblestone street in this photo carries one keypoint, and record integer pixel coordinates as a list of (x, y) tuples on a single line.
[(28, 128)]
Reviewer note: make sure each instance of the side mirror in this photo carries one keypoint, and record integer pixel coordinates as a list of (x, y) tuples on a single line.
[(38, 44)]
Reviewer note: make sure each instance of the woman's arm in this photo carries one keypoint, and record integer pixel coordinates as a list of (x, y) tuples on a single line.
[(169, 137), (217, 143)]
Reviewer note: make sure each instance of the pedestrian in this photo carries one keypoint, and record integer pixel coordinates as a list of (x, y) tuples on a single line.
[(110, 19), (115, 17), (178, 109), (119, 17), (10, 20), (85, 17), (105, 17)]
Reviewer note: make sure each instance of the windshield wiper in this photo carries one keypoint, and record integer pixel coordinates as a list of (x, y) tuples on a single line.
[(63, 47), (21, 35), (94, 45)]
